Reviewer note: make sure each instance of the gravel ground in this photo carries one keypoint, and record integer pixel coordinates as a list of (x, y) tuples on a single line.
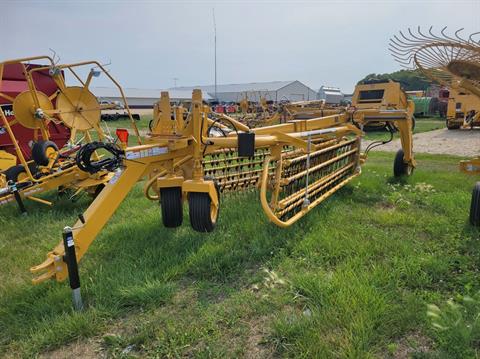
[(452, 142)]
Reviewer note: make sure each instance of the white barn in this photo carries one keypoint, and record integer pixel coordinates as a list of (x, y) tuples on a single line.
[(140, 98), (272, 91), (331, 95)]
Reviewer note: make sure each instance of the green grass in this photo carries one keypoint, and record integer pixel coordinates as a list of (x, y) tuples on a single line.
[(142, 124), (421, 125), (353, 278)]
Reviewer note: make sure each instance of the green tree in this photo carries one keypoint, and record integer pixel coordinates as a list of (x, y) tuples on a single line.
[(409, 79)]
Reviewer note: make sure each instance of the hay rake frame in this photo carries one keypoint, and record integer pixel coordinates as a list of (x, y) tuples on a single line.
[(296, 165)]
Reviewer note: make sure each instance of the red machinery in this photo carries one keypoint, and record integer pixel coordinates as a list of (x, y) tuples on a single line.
[(12, 84)]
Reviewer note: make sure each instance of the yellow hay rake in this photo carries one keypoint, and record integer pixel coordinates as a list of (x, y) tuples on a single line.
[(191, 157), (452, 61), (74, 106), (308, 109)]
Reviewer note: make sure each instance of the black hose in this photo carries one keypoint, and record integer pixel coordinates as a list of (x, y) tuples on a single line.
[(380, 143), (84, 157)]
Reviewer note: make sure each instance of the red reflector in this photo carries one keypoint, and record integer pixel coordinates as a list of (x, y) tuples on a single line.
[(122, 135)]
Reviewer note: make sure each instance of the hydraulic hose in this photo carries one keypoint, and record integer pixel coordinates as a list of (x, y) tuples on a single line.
[(84, 157)]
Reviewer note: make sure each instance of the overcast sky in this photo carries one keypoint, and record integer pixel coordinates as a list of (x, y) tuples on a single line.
[(149, 43)]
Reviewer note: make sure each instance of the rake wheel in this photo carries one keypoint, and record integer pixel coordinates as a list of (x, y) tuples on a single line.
[(452, 61)]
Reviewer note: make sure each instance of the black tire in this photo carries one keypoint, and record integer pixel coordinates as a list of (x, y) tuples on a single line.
[(452, 127), (39, 151), (200, 211), (400, 168), (172, 208), (475, 206), (12, 173)]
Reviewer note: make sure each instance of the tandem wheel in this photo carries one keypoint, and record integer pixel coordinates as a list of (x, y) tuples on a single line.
[(203, 214), (172, 207)]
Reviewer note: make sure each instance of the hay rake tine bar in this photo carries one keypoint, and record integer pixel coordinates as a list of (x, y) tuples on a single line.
[(313, 189), (317, 167)]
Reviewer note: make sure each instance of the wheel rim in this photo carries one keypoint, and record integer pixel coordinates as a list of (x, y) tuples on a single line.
[(22, 176), (409, 170), (50, 153), (213, 213)]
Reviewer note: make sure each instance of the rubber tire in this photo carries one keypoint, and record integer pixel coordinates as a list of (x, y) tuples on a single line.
[(199, 210), (475, 206), (400, 168), (12, 173), (453, 127), (172, 206), (39, 149)]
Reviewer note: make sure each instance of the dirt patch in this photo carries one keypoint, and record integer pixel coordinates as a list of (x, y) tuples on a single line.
[(465, 143), (255, 346), (411, 344), (80, 349)]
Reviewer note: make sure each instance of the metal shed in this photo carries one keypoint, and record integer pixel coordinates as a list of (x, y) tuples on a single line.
[(142, 98), (331, 95), (272, 91)]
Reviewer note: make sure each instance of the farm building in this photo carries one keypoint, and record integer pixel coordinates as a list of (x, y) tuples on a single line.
[(272, 91), (140, 98), (331, 95)]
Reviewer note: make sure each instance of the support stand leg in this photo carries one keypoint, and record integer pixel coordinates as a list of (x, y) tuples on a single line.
[(72, 265)]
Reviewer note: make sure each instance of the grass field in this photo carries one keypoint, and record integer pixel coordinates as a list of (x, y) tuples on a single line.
[(351, 279), (142, 124)]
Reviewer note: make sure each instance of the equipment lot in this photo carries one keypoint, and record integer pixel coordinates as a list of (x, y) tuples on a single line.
[(252, 289)]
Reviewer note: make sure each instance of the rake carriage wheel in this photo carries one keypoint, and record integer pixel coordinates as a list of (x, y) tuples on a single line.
[(42, 151), (400, 167), (172, 208), (16, 173), (203, 214), (475, 206)]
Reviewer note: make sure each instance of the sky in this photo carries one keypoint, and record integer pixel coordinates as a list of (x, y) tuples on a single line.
[(149, 44)]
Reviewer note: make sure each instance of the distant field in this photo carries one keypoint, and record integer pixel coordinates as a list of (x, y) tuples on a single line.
[(352, 279)]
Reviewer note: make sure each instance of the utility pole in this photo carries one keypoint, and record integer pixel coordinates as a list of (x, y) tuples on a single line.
[(175, 81), (215, 45)]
